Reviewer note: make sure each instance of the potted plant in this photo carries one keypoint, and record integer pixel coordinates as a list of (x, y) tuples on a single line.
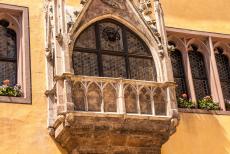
[(7, 90), (185, 102), (207, 103)]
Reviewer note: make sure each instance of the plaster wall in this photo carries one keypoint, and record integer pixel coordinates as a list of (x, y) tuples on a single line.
[(23, 127), (200, 134), (202, 15)]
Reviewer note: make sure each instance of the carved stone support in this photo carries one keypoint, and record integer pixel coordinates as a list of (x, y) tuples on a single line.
[(101, 133)]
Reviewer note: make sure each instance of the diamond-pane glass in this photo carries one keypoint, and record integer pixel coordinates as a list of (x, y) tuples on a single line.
[(224, 74), (178, 72), (85, 64), (109, 49), (135, 45), (111, 36), (87, 39), (142, 69), (8, 70), (8, 55), (199, 74), (114, 66)]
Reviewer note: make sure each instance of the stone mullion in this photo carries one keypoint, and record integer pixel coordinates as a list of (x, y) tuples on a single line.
[(49, 67), (120, 98), (138, 99), (215, 83), (152, 101), (67, 93), (188, 74)]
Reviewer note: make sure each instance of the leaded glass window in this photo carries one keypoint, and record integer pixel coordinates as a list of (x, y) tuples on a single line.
[(198, 69), (223, 66), (110, 49), (178, 72), (8, 53)]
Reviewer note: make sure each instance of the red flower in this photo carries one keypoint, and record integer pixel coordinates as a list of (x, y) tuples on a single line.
[(6, 82), (184, 95)]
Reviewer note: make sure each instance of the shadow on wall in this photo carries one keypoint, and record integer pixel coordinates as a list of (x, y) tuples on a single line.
[(200, 134)]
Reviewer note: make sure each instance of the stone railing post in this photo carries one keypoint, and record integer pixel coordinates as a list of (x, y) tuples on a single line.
[(120, 98)]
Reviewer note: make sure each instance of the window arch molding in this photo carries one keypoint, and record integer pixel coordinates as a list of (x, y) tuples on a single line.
[(203, 49), (181, 71), (223, 67), (202, 52), (152, 45), (225, 47), (180, 44)]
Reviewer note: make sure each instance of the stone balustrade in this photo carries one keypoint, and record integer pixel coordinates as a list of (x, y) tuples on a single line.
[(121, 96)]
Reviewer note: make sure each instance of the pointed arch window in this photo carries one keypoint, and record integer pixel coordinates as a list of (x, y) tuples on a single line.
[(8, 53), (178, 71), (109, 49), (223, 66), (199, 74)]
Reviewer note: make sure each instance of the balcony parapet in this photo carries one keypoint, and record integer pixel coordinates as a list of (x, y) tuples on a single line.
[(112, 115)]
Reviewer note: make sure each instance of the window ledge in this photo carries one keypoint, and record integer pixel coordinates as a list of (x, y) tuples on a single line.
[(19, 100), (199, 111)]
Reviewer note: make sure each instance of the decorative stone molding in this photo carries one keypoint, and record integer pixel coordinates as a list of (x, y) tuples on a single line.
[(83, 2), (117, 4)]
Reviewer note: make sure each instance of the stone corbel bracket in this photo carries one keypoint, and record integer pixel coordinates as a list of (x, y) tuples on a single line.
[(51, 92), (49, 54), (59, 38)]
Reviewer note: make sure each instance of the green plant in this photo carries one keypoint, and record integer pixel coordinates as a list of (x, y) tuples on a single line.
[(207, 103), (13, 91), (184, 102)]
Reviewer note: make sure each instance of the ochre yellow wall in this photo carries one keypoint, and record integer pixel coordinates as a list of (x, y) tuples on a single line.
[(23, 128), (203, 15), (200, 134)]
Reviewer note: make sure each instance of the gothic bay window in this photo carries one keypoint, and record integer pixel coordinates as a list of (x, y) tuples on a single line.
[(178, 71), (14, 55), (198, 70), (223, 66), (109, 49)]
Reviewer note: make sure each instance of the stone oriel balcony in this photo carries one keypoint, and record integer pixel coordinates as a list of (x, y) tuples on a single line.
[(113, 115)]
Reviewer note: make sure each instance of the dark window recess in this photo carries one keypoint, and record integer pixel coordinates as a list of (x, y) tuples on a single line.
[(178, 72), (199, 74), (223, 66), (8, 53), (109, 49)]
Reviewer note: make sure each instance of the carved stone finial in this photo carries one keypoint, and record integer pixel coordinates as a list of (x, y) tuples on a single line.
[(83, 2), (145, 7)]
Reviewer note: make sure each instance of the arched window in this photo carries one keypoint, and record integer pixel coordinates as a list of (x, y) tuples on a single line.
[(178, 72), (198, 69), (8, 53), (224, 72), (110, 49)]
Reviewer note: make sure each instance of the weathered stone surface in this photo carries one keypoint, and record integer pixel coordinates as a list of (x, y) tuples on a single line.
[(93, 133)]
